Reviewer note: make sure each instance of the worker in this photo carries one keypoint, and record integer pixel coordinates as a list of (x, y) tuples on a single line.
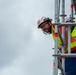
[(45, 24)]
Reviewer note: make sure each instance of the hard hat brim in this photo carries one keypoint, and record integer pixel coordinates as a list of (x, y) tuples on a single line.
[(43, 22)]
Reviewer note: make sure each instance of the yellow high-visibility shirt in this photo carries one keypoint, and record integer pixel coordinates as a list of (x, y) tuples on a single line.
[(73, 42)]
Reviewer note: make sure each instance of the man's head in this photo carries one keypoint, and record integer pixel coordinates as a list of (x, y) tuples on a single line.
[(45, 24)]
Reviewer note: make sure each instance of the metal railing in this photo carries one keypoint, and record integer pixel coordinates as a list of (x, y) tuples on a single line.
[(57, 63)]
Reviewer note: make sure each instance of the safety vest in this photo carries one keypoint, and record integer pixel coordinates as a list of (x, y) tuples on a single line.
[(73, 39), (53, 31)]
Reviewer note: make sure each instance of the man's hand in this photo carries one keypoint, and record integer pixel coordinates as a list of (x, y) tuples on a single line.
[(60, 48)]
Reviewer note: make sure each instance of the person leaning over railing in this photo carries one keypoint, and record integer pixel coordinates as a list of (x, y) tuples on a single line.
[(45, 24)]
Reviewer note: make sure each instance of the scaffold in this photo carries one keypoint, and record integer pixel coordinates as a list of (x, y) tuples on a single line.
[(61, 22)]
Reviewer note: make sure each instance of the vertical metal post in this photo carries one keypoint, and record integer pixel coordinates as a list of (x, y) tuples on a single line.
[(74, 2), (69, 28), (63, 19), (72, 17), (69, 31), (58, 11), (55, 67), (75, 18)]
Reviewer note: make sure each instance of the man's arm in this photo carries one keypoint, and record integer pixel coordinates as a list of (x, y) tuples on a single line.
[(65, 40), (66, 35)]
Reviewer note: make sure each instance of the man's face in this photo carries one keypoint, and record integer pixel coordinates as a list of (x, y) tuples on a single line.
[(46, 27)]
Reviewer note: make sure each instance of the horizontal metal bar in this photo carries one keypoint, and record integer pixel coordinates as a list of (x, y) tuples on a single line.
[(65, 24), (69, 55), (66, 55)]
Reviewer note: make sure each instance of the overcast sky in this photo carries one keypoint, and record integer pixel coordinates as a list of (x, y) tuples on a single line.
[(24, 49)]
